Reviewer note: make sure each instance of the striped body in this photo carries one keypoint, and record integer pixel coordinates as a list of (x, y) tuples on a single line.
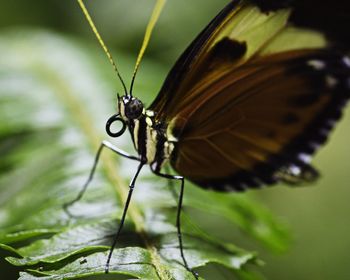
[(150, 138)]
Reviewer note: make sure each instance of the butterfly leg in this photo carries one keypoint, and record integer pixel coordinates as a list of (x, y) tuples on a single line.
[(178, 216), (104, 144), (126, 206)]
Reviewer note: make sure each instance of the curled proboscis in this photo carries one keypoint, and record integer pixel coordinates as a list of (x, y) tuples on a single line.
[(111, 120)]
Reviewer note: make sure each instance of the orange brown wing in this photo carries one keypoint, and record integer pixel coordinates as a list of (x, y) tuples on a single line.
[(253, 96), (260, 123)]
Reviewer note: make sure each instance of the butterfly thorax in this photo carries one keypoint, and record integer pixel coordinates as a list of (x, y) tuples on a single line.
[(149, 137)]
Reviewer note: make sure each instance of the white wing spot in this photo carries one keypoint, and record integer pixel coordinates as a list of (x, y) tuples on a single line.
[(317, 64), (346, 61), (305, 158), (331, 81), (294, 170)]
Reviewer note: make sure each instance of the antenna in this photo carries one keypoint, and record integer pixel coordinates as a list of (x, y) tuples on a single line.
[(154, 17), (104, 47)]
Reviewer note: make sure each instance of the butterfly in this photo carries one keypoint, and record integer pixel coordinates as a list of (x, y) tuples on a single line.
[(247, 104)]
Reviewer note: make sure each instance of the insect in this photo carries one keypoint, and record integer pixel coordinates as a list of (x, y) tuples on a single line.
[(247, 104)]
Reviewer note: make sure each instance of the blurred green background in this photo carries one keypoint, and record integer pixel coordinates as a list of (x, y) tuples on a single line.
[(318, 215)]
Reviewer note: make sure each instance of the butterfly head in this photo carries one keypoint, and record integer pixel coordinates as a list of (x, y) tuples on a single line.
[(130, 108)]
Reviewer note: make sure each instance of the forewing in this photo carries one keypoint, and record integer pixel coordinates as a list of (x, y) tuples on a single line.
[(254, 95), (239, 32)]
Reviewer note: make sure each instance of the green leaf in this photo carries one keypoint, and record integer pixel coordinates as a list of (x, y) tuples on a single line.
[(55, 96), (136, 262)]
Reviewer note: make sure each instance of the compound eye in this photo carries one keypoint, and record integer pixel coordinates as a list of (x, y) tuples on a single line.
[(133, 109)]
